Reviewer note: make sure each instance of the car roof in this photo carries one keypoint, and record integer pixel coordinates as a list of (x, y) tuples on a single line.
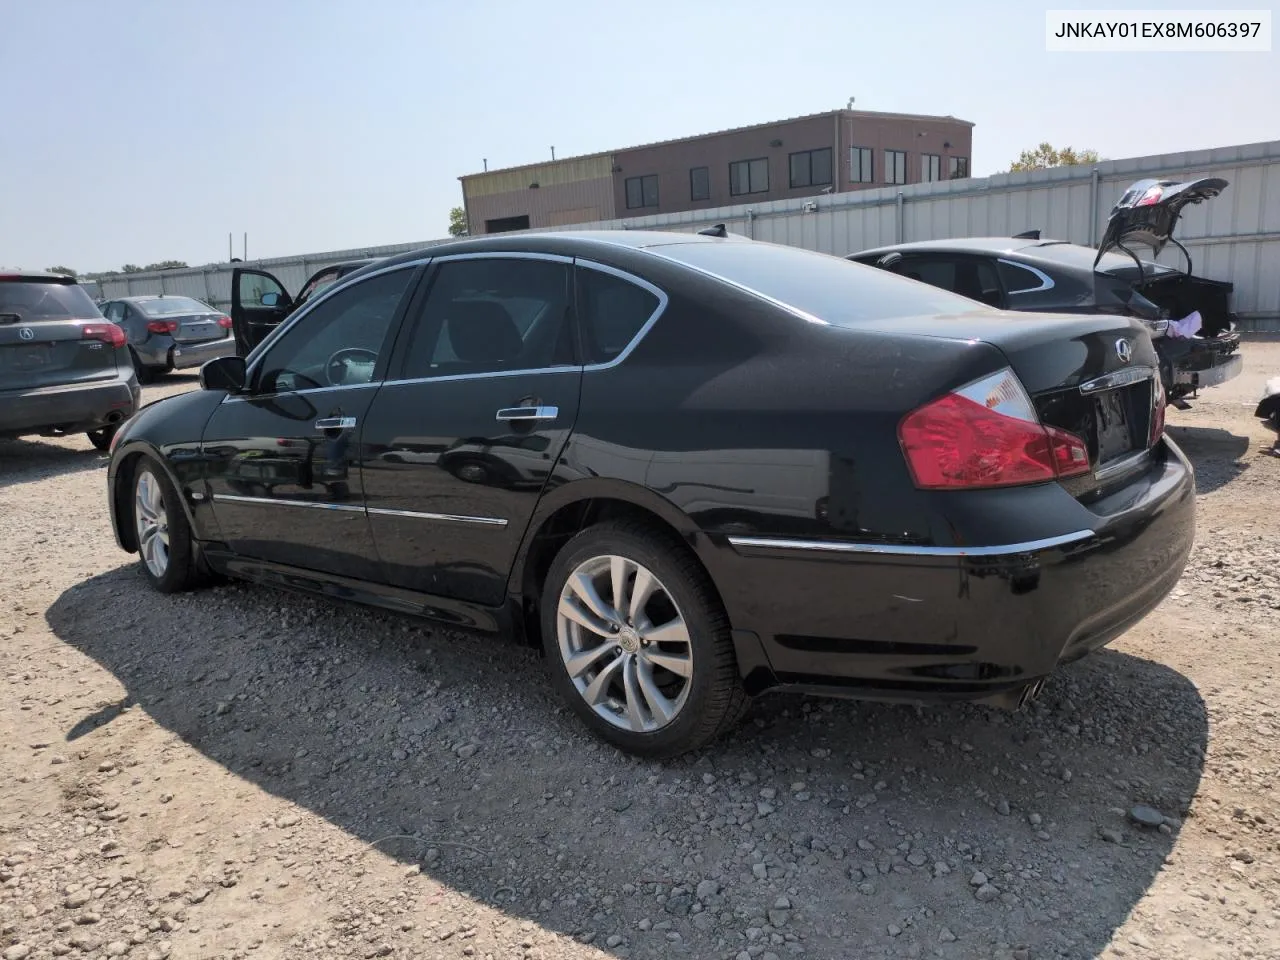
[(552, 240), (965, 245), (6, 274), (139, 297)]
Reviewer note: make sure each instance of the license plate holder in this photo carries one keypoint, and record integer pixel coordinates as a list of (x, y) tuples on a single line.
[(1115, 435), (33, 357)]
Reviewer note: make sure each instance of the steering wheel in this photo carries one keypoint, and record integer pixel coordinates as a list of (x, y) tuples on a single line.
[(335, 368)]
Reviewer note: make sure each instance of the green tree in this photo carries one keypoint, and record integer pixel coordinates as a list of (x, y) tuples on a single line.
[(65, 271), (131, 268), (166, 265), (1045, 156), (457, 222)]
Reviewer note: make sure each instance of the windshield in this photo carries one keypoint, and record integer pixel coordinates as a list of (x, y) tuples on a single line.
[(829, 288), (173, 306), (33, 300)]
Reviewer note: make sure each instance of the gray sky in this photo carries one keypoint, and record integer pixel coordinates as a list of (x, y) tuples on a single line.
[(138, 131)]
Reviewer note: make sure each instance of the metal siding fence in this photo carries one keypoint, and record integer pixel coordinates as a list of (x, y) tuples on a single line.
[(1234, 237)]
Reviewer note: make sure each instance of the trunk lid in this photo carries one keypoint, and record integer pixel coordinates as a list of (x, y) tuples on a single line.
[(1093, 375), (199, 328), (1148, 212), (43, 340)]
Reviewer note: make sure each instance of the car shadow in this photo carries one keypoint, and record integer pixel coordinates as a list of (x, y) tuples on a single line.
[(32, 460), (1218, 455), (449, 752)]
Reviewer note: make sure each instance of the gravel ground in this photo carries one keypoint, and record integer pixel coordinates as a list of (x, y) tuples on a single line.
[(243, 773)]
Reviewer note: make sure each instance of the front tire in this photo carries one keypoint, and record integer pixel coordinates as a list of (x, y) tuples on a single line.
[(163, 534), (638, 642)]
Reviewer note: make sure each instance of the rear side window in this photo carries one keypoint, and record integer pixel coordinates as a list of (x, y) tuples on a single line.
[(612, 312), (32, 301), (1018, 279), (827, 287)]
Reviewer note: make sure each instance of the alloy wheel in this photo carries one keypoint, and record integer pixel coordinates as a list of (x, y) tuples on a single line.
[(152, 522), (624, 643)]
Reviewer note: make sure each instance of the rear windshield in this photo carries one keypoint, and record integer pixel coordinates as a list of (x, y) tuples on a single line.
[(1114, 264), (34, 300), (173, 306), (830, 288)]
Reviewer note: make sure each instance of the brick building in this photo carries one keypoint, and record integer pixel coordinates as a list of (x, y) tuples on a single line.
[(768, 161)]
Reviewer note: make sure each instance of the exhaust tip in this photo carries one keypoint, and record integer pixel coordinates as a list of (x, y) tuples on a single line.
[(115, 416)]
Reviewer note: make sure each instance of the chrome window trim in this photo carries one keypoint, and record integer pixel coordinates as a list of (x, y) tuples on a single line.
[(1046, 281), (244, 398), (257, 353), (448, 517), (894, 549), (793, 310), (282, 502), (505, 255), (658, 292)]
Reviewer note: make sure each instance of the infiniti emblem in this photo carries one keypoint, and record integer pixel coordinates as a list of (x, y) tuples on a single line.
[(1124, 350), (26, 333)]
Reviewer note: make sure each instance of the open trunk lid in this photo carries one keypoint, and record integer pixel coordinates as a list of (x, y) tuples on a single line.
[(51, 333), (1148, 212)]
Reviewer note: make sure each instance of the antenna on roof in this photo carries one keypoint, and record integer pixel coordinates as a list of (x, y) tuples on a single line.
[(717, 231), (1027, 235)]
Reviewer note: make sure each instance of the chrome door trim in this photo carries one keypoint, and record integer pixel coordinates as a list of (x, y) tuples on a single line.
[(905, 550), (447, 517), (283, 502)]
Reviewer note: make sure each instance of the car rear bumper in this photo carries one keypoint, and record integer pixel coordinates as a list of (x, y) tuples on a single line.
[(187, 355), (68, 408), (967, 623), (1231, 367)]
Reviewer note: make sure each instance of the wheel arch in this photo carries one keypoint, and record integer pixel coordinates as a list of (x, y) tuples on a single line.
[(572, 509), (124, 468)]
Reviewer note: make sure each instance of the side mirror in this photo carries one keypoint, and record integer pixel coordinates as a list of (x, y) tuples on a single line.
[(270, 299), (223, 373)]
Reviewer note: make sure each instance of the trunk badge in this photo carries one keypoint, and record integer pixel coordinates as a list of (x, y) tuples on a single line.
[(1124, 350), (26, 333)]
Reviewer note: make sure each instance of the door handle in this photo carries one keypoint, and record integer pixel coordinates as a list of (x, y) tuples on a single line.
[(336, 423), (528, 413)]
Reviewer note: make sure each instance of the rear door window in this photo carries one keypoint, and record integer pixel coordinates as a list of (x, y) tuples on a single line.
[(32, 301)]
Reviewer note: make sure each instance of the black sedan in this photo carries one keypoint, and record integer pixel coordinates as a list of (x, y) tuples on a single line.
[(1189, 317), (743, 467)]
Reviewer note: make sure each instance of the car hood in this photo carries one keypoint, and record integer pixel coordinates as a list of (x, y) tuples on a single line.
[(1148, 212)]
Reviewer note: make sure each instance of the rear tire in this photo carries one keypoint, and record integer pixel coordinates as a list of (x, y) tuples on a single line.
[(145, 374), (102, 437), (652, 691), (165, 546)]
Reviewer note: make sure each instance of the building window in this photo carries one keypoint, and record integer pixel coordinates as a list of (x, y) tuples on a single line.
[(700, 183), (930, 167), (811, 168), (957, 168), (642, 191), (748, 176), (862, 165), (895, 166)]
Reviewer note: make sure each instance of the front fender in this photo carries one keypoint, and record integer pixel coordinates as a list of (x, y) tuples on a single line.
[(169, 432)]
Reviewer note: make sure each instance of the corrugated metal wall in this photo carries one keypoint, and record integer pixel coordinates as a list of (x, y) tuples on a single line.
[(1235, 237)]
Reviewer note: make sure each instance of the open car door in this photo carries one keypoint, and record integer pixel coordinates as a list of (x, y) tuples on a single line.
[(258, 303)]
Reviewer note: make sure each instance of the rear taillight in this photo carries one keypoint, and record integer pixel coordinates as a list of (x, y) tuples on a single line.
[(987, 434), (162, 326), (108, 333), (1151, 197), (1157, 413), (224, 323)]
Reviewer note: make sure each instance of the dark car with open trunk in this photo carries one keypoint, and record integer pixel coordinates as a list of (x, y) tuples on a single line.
[(691, 469), (1189, 317)]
